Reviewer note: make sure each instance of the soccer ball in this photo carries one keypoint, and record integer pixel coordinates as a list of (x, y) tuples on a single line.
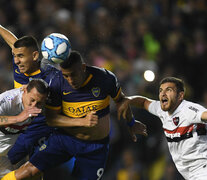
[(56, 47)]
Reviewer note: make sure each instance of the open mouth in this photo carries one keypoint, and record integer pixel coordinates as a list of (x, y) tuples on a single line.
[(164, 101)]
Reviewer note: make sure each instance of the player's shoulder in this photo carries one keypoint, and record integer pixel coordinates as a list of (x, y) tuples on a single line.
[(191, 106), (100, 72), (10, 95)]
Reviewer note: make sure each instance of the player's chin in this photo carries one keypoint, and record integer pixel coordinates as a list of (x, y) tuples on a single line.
[(164, 108)]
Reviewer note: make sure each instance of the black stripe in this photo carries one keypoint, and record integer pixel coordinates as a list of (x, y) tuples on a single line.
[(201, 131)]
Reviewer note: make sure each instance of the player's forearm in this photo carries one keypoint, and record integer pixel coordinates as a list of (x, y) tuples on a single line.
[(8, 36), (139, 101), (7, 120), (64, 121)]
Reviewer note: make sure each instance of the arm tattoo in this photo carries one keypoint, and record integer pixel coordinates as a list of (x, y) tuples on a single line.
[(3, 119)]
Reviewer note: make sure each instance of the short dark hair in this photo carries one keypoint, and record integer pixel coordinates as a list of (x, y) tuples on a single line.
[(179, 83), (41, 86), (74, 58), (27, 41)]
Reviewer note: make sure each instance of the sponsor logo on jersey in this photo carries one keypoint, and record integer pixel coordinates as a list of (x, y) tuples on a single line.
[(176, 120), (66, 93), (80, 109), (96, 91), (193, 109), (172, 135)]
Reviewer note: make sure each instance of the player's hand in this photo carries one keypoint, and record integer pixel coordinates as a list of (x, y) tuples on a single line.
[(137, 128), (122, 108), (91, 119), (28, 113)]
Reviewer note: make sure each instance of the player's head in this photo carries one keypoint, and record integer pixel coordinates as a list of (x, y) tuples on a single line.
[(74, 70), (35, 93), (26, 54), (171, 93)]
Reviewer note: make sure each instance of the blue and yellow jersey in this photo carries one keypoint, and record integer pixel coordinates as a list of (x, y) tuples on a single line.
[(51, 75), (94, 95)]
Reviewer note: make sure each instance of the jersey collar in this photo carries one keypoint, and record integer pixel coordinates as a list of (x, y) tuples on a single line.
[(87, 80), (34, 73)]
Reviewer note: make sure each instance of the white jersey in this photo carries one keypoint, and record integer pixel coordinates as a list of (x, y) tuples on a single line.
[(186, 136), (11, 105)]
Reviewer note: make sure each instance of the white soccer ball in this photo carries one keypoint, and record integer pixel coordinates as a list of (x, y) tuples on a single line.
[(56, 47)]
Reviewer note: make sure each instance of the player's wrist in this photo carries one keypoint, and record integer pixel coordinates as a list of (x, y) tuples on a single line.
[(132, 122)]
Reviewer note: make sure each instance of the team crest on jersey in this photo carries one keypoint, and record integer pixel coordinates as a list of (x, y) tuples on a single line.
[(176, 120), (96, 91), (30, 78)]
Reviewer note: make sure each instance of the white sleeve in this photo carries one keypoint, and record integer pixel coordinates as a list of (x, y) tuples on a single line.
[(2, 106), (154, 107), (194, 112), (4, 103)]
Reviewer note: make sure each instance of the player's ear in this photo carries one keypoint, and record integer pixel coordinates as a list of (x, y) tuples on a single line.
[(35, 55), (24, 88), (181, 95)]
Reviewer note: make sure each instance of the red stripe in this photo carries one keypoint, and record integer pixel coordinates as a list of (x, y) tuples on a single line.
[(18, 127), (181, 130)]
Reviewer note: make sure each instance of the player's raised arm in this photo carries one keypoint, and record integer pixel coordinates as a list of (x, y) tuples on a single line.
[(8, 36), (136, 101)]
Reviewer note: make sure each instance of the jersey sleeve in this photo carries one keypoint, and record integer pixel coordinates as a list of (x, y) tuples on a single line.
[(113, 85), (154, 107), (194, 112)]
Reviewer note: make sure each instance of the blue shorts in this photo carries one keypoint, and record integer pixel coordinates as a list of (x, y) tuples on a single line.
[(26, 141), (91, 156)]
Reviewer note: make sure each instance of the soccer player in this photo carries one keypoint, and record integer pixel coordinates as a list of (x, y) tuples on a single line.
[(183, 124), (17, 109), (84, 89)]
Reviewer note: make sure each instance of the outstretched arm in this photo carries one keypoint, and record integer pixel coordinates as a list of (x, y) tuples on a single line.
[(136, 101), (8, 36), (135, 127)]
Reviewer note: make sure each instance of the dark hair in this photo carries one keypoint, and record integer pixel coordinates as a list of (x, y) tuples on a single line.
[(41, 86), (179, 83), (27, 41), (74, 58)]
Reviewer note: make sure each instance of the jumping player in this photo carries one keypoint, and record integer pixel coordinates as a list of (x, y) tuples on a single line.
[(183, 124), (84, 89), (18, 107)]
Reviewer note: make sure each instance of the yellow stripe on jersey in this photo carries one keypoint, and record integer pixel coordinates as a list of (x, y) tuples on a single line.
[(17, 85), (9, 176), (52, 107), (33, 74), (87, 80), (80, 109)]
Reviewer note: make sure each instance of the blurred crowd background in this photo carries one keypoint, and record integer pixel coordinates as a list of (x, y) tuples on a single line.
[(127, 37)]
